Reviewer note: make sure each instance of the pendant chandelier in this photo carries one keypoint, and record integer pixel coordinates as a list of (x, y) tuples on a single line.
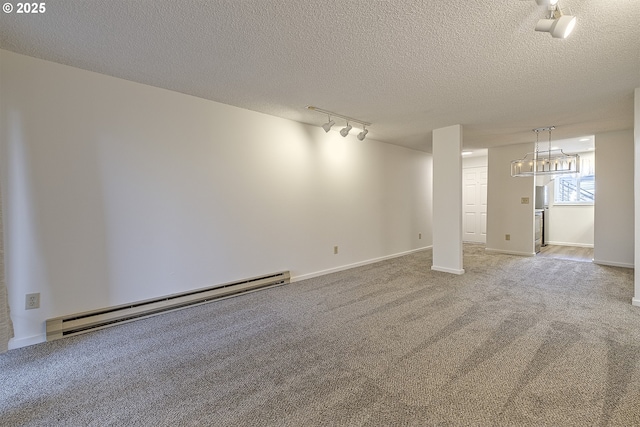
[(546, 162)]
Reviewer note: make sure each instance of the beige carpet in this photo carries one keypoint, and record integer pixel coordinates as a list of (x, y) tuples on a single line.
[(514, 341)]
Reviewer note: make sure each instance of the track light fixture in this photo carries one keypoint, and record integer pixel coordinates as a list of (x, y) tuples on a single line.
[(327, 126), (556, 23), (344, 131)]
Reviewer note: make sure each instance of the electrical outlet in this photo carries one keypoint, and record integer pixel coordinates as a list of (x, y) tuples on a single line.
[(524, 200), (507, 237), (419, 235), (32, 301), (335, 250)]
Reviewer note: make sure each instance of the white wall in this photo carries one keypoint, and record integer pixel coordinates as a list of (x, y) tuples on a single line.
[(505, 212), (447, 200), (614, 217), (571, 225), (116, 192), (474, 162), (636, 179)]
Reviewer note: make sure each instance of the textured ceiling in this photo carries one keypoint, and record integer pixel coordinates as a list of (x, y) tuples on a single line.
[(407, 67)]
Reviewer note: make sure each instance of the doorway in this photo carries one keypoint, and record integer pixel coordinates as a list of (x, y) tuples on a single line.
[(474, 204), (570, 207)]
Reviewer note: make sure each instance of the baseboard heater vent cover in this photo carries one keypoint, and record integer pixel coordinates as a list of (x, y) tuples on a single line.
[(80, 323)]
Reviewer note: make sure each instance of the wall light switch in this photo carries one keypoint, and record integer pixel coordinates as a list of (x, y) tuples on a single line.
[(524, 200)]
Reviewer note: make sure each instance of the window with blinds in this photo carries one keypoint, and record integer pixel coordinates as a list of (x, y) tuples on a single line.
[(579, 188)]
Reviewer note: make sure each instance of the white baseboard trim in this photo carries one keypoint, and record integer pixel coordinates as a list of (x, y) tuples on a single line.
[(500, 251), (356, 264), (577, 245), (448, 270), (613, 263), (635, 301), (25, 342), (15, 343)]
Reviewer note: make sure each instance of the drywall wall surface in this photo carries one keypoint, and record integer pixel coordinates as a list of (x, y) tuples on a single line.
[(614, 206), (447, 200), (506, 214), (571, 225), (474, 162), (636, 179), (116, 192)]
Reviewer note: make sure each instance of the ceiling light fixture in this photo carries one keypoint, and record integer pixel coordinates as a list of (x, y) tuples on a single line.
[(556, 23), (547, 162), (344, 131), (327, 126), (363, 134)]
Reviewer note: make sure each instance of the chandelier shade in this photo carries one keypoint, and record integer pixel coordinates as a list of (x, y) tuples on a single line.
[(545, 162), (549, 162)]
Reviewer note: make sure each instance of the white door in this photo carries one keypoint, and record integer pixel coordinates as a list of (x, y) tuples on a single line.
[(474, 204)]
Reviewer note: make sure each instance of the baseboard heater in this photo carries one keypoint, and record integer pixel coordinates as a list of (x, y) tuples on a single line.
[(80, 323)]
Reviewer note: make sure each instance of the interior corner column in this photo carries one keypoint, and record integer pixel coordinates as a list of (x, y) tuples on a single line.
[(636, 190), (447, 200)]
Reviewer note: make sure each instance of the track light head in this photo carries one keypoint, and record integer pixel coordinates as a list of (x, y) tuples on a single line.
[(345, 130), (545, 25), (556, 23), (362, 134), (559, 28), (327, 126), (564, 26)]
